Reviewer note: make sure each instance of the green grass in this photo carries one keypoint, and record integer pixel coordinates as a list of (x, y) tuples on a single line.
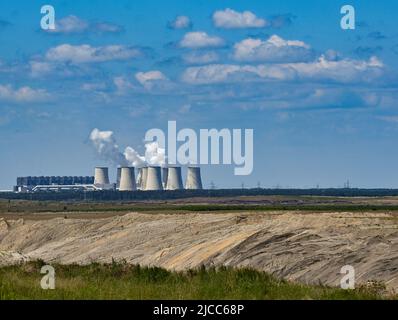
[(124, 281), (19, 206)]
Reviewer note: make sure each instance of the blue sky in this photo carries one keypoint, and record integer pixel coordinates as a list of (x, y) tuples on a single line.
[(321, 100)]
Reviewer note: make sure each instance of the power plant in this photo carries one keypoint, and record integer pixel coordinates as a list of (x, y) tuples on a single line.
[(174, 179), (153, 181), (151, 178), (127, 179), (101, 176), (194, 179)]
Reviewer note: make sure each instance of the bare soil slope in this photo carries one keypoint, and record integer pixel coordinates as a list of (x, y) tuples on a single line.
[(306, 247)]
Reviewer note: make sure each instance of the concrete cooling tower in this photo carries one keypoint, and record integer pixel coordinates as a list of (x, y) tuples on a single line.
[(143, 178), (165, 173), (101, 176), (118, 176), (127, 179), (174, 179), (153, 179), (194, 179)]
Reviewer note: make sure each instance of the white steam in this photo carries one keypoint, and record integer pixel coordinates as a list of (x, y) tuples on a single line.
[(107, 148), (155, 155), (134, 158)]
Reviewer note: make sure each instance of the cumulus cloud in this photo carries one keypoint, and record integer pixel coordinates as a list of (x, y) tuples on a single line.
[(200, 39), (23, 94), (123, 85), (88, 54), (75, 25), (342, 71), (148, 79), (180, 22), (275, 49), (231, 19), (200, 58)]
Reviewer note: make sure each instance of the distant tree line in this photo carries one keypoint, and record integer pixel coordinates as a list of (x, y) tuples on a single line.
[(181, 194)]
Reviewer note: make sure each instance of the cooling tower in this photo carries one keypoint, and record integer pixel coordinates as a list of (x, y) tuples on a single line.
[(153, 179), (174, 179), (144, 176), (194, 179), (118, 176), (127, 179), (101, 176), (165, 173)]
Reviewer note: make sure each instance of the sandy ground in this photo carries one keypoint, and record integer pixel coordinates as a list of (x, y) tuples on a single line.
[(305, 247)]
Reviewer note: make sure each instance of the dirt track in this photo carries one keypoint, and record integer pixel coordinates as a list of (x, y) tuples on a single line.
[(307, 247)]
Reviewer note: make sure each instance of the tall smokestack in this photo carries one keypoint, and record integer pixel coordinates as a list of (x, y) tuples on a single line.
[(165, 173), (101, 175), (174, 180), (154, 179), (118, 176), (194, 179), (127, 179)]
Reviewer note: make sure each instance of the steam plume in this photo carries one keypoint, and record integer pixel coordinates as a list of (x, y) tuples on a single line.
[(106, 146)]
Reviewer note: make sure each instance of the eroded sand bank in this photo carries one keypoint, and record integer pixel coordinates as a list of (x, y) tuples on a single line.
[(306, 247)]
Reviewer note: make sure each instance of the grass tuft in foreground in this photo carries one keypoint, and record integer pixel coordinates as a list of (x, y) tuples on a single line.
[(125, 281)]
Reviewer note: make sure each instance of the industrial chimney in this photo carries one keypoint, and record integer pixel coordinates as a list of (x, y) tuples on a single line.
[(174, 179), (153, 179), (194, 179), (165, 173), (127, 179), (101, 176)]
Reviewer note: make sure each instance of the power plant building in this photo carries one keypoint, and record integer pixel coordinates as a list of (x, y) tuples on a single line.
[(152, 178)]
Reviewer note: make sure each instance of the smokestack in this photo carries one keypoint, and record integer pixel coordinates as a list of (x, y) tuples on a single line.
[(101, 175), (194, 179), (127, 179), (174, 180), (154, 179), (165, 173), (118, 176)]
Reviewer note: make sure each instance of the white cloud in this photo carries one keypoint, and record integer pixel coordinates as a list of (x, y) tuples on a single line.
[(23, 94), (122, 85), (39, 68), (148, 79), (231, 19), (342, 71), (275, 49), (88, 54), (199, 39), (181, 22), (93, 86), (73, 24), (200, 58)]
